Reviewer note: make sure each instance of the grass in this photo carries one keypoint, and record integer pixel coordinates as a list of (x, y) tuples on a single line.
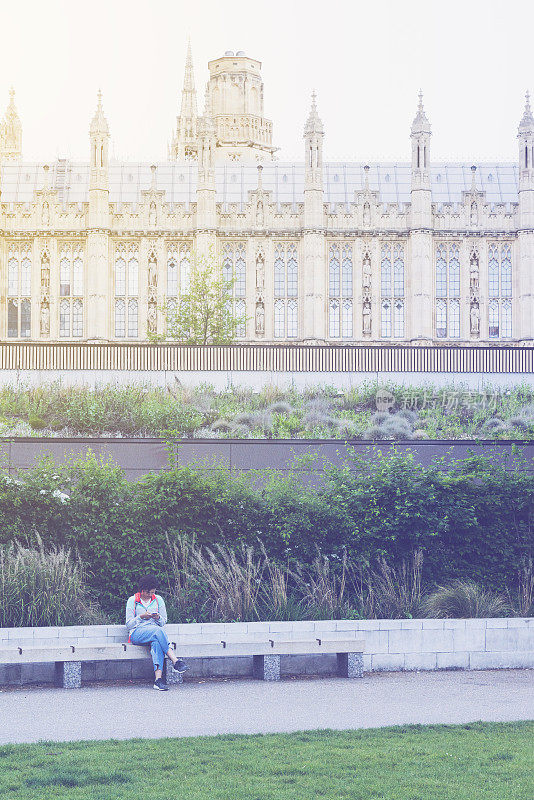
[(478, 761), (420, 412)]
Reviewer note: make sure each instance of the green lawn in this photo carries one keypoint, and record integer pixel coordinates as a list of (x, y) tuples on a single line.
[(480, 761)]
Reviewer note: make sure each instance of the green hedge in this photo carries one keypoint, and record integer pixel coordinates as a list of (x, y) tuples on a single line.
[(471, 519)]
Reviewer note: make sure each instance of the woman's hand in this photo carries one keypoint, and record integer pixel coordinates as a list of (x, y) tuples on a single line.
[(145, 616)]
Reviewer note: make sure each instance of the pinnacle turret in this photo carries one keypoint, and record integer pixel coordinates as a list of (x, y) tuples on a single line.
[(99, 124), (420, 123), (527, 121), (11, 131), (313, 123), (184, 143)]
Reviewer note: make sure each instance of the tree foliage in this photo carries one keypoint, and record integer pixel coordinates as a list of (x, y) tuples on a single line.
[(204, 312)]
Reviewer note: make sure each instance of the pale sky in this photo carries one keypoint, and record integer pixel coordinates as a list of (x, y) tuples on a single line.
[(473, 60)]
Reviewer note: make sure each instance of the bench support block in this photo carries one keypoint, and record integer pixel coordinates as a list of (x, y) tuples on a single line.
[(350, 665), (170, 676), (69, 674), (266, 668)]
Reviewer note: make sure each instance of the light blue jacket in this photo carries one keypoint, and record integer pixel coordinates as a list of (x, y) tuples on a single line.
[(134, 611)]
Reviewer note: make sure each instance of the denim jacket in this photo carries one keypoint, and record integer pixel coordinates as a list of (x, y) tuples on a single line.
[(134, 611)]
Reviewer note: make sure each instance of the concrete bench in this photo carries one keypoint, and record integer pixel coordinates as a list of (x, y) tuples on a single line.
[(265, 653)]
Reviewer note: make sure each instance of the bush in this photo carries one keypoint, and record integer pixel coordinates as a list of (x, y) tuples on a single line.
[(465, 599), (470, 519)]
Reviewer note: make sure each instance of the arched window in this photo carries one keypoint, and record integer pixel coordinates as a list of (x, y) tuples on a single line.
[(493, 271), (279, 271), (392, 287), (340, 320), (279, 319), (333, 322), (120, 318), (185, 268), (334, 271), (172, 271), (285, 287), (127, 290), (292, 271), (447, 291), (500, 290), (77, 318), (133, 321), (234, 267), (346, 271), (71, 289), (64, 318), (292, 320)]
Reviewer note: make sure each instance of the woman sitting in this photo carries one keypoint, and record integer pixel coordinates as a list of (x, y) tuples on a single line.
[(145, 617)]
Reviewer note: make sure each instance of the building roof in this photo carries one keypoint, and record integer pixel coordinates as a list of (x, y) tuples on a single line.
[(285, 180)]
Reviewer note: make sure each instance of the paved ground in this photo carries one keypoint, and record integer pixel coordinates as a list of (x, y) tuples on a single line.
[(247, 706)]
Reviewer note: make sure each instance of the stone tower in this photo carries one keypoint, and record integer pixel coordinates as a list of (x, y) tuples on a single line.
[(98, 323), (313, 240), (236, 99), (420, 322), (525, 233)]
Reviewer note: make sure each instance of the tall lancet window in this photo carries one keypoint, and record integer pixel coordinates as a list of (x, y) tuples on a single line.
[(172, 270), (447, 291), (71, 290), (392, 292), (19, 277), (500, 291), (127, 291), (234, 266), (340, 311), (185, 268), (285, 291)]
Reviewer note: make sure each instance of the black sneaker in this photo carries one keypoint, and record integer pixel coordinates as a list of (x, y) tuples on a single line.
[(160, 685), (180, 666)]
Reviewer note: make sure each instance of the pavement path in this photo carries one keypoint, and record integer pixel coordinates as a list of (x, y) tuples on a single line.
[(247, 706)]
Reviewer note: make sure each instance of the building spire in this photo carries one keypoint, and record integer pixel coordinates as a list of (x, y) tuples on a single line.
[(189, 95), (184, 143), (420, 123), (527, 122), (99, 122), (11, 131), (314, 123)]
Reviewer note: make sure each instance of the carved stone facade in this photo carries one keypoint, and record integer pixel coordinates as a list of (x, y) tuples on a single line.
[(335, 252)]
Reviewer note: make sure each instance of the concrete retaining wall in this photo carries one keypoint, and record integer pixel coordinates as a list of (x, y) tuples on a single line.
[(137, 457), (390, 645)]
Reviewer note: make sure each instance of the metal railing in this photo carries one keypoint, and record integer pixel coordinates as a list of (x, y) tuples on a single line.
[(265, 357)]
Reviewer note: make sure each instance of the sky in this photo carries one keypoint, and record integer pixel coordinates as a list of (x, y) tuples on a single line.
[(366, 60)]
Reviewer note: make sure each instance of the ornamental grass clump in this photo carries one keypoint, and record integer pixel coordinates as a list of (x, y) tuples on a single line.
[(465, 599), (233, 581), (43, 587), (388, 592), (323, 588)]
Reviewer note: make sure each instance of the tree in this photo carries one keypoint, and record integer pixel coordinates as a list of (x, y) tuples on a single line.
[(204, 313)]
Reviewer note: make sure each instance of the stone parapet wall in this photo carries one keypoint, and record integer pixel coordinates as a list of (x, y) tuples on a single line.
[(390, 645)]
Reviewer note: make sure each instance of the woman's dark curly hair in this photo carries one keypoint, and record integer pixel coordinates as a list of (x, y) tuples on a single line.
[(147, 582)]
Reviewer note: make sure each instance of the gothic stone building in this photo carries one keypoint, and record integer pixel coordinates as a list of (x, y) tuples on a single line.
[(414, 252)]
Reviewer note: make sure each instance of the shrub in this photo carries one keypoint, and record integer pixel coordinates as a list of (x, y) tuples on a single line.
[(41, 588), (36, 423), (465, 599)]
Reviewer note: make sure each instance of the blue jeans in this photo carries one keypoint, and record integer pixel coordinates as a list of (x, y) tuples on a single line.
[(156, 638)]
